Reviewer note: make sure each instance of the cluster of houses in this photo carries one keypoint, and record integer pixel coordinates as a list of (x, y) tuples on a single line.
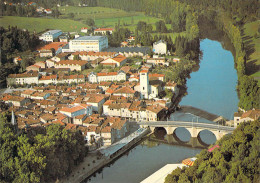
[(99, 104), (101, 111)]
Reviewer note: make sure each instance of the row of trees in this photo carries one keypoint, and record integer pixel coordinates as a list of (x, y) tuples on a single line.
[(237, 159), (17, 10), (248, 90), (40, 155)]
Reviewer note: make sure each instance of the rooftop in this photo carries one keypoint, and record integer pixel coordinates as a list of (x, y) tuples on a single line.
[(90, 38)]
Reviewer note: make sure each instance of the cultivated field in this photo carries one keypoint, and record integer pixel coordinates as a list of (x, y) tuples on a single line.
[(107, 17), (41, 24)]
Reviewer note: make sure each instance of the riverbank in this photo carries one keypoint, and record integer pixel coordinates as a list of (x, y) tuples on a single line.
[(95, 161)]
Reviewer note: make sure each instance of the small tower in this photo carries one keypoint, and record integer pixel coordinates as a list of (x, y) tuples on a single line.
[(144, 84)]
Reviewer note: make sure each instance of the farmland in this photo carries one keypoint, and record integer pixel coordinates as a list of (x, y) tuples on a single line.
[(41, 24)]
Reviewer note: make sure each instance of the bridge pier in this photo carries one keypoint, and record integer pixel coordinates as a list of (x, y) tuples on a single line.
[(194, 132), (170, 130)]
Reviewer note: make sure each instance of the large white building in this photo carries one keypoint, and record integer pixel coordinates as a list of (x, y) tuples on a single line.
[(160, 47), (87, 43), (50, 35)]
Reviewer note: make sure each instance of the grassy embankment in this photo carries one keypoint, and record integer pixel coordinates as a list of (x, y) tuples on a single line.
[(251, 39)]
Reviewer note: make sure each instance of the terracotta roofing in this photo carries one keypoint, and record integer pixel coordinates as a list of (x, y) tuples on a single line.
[(106, 73), (106, 129), (253, 114), (156, 75), (126, 90), (95, 99), (119, 58), (126, 69), (48, 77), (24, 75), (155, 108), (170, 84), (74, 108), (104, 29), (84, 28), (144, 71), (118, 124), (28, 92), (55, 45), (13, 98), (72, 62), (92, 53)]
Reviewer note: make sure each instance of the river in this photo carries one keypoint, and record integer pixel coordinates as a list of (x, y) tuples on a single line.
[(212, 88)]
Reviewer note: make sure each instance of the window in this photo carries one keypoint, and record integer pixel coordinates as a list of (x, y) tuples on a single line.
[(143, 88)]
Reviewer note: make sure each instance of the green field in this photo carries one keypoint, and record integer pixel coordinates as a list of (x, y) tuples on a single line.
[(107, 17), (82, 13), (104, 17), (41, 24), (252, 39)]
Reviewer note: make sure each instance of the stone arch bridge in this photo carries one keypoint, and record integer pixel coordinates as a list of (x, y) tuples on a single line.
[(193, 127)]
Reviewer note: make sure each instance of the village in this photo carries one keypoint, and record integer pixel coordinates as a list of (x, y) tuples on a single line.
[(99, 104)]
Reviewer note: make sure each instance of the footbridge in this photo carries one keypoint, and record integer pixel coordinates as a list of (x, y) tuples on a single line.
[(193, 127), (201, 113)]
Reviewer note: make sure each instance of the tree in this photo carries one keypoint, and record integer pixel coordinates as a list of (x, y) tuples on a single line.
[(71, 15), (161, 27), (90, 22)]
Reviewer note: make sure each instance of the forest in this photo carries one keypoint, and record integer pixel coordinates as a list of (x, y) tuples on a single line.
[(38, 154), (237, 159)]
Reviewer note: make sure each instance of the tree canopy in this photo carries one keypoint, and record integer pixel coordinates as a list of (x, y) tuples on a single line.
[(237, 159), (38, 155)]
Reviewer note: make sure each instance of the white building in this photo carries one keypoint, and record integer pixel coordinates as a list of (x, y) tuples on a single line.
[(73, 111), (145, 88), (110, 76), (87, 43), (103, 30), (29, 77), (84, 30), (160, 47), (50, 35)]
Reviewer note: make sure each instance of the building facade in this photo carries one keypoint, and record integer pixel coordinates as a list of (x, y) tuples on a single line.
[(50, 35), (88, 43)]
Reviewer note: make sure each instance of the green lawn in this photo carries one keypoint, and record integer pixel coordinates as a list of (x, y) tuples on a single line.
[(251, 30), (40, 24)]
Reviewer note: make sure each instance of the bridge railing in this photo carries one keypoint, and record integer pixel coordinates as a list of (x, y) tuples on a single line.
[(186, 124)]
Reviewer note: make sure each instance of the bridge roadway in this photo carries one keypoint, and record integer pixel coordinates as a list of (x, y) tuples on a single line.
[(193, 127)]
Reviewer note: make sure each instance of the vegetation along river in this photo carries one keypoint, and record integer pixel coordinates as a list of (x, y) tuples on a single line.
[(211, 88)]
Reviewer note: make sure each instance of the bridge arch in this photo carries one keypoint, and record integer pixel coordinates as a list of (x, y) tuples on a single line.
[(181, 134), (211, 137)]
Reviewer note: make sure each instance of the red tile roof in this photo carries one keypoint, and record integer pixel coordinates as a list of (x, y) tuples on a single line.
[(55, 45), (104, 29), (74, 108)]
